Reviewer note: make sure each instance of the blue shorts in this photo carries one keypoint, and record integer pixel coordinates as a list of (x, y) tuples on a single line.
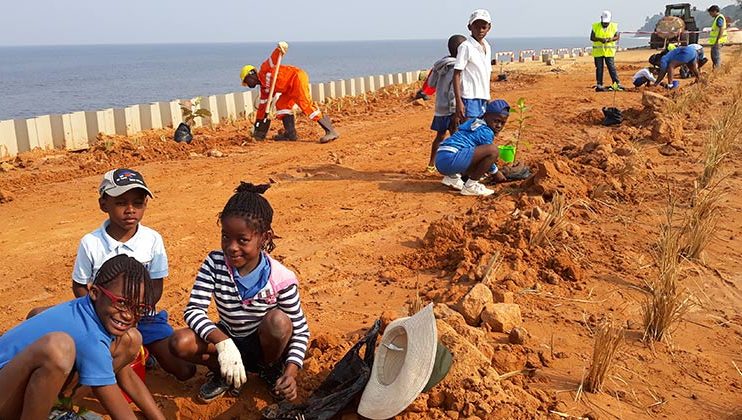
[(640, 81), (154, 328), (450, 163), (441, 124), (474, 108)]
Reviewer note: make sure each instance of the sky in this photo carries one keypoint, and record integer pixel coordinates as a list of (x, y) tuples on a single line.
[(54, 22)]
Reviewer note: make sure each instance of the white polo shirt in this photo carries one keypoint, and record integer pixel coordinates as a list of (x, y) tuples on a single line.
[(475, 63), (97, 247)]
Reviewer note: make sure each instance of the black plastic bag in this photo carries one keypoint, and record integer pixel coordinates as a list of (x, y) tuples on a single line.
[(341, 387), (183, 133), (612, 116)]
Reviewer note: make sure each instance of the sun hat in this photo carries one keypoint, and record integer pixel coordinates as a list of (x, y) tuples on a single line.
[(605, 17), (402, 365), (498, 106), (118, 181), (480, 14)]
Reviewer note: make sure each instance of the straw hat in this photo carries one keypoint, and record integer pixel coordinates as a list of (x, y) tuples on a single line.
[(402, 365)]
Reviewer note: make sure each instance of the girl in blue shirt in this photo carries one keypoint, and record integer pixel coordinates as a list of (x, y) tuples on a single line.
[(90, 340)]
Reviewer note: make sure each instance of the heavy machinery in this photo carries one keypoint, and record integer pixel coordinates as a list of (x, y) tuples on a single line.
[(675, 27)]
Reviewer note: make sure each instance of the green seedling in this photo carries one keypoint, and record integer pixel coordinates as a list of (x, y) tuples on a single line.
[(522, 117), (191, 111)]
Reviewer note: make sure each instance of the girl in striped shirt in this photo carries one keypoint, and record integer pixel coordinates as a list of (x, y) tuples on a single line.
[(261, 328)]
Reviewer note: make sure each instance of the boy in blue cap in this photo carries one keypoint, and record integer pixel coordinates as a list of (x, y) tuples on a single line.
[(470, 151)]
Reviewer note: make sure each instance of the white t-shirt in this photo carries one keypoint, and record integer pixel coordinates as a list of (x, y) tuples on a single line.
[(97, 247), (475, 63), (645, 74)]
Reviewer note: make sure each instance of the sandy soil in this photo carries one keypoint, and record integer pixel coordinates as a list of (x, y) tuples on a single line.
[(366, 230)]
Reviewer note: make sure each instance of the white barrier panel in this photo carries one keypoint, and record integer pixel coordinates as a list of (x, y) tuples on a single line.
[(563, 52), (399, 79), (238, 102), (360, 85), (75, 131), (370, 82), (340, 90), (133, 120), (21, 135), (8, 142), (577, 52), (91, 126), (318, 92), (221, 108), (380, 81), (166, 118), (155, 115), (330, 90), (389, 80), (408, 78), (50, 131), (507, 54), (350, 87), (231, 105), (249, 101), (176, 114), (527, 54)]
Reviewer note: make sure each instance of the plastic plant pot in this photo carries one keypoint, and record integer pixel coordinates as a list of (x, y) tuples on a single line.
[(507, 153), (138, 366)]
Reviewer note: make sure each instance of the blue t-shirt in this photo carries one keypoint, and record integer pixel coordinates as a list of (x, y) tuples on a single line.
[(78, 319), (474, 132), (680, 54)]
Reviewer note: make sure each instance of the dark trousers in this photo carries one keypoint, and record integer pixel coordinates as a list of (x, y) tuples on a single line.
[(611, 63)]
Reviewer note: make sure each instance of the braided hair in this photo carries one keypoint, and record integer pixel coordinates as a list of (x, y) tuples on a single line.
[(248, 203), (134, 276)]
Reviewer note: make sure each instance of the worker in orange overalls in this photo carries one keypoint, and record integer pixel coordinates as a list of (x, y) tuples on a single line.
[(292, 84)]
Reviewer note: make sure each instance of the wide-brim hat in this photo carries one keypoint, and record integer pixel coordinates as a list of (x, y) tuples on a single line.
[(402, 365)]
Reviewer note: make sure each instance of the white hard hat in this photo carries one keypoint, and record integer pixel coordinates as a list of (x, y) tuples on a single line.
[(605, 17)]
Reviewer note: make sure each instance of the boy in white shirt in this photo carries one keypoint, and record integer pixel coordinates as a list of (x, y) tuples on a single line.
[(123, 196), (471, 78), (473, 69), (644, 77)]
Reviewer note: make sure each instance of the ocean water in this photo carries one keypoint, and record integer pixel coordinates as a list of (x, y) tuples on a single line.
[(44, 80)]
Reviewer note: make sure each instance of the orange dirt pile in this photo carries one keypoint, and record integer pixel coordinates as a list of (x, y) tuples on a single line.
[(367, 231)]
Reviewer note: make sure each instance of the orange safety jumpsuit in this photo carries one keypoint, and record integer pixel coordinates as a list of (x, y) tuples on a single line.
[(292, 84)]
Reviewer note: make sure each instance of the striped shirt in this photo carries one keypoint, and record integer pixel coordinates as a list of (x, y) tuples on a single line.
[(239, 318)]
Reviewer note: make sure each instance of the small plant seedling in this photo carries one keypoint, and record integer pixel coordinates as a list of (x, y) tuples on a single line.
[(522, 117), (191, 111)]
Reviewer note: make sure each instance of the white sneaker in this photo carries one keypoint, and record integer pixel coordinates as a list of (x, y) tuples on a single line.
[(454, 181), (476, 189)]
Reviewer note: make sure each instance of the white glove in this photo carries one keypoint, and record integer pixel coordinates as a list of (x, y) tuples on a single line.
[(283, 46), (230, 363)]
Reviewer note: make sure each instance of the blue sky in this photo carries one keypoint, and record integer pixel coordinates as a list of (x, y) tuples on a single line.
[(50, 22)]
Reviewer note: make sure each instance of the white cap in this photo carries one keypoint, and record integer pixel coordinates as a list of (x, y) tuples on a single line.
[(605, 17), (480, 14)]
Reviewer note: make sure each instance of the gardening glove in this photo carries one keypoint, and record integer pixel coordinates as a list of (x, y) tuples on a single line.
[(230, 363), (283, 46)]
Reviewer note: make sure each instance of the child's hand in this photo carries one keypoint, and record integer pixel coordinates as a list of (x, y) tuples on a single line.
[(286, 386)]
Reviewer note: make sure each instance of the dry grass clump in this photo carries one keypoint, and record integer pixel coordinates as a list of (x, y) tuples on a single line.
[(554, 222), (416, 305), (608, 339), (723, 139), (700, 224), (667, 301)]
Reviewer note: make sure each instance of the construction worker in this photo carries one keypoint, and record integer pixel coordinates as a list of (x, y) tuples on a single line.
[(604, 36), (292, 84), (678, 57), (718, 36)]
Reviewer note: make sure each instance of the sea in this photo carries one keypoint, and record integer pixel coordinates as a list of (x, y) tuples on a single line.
[(41, 80)]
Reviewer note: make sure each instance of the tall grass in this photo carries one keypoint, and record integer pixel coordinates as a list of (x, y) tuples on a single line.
[(700, 224), (608, 339), (554, 222), (666, 302)]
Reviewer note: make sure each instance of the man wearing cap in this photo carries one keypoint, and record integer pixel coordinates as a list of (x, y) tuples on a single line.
[(604, 36), (292, 84), (718, 35)]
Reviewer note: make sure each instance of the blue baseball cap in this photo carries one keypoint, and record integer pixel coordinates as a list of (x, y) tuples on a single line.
[(498, 106)]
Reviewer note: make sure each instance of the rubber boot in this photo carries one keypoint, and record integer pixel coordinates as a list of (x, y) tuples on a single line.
[(260, 129), (330, 133), (289, 129)]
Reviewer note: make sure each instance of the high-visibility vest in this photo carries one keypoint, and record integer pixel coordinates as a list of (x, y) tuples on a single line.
[(609, 48), (715, 30)]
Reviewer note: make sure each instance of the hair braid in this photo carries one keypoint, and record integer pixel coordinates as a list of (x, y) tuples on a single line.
[(248, 203), (134, 276)]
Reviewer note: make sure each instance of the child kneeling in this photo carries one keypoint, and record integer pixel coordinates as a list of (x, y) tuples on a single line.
[(469, 153), (92, 338), (261, 327)]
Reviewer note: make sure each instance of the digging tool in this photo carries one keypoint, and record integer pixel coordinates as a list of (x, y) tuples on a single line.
[(262, 126), (270, 104)]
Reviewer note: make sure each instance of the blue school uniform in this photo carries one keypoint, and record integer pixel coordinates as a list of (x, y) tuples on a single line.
[(683, 55), (456, 152), (77, 318)]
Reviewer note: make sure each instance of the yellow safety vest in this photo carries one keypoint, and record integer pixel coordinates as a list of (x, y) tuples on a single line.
[(609, 48), (715, 30)]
